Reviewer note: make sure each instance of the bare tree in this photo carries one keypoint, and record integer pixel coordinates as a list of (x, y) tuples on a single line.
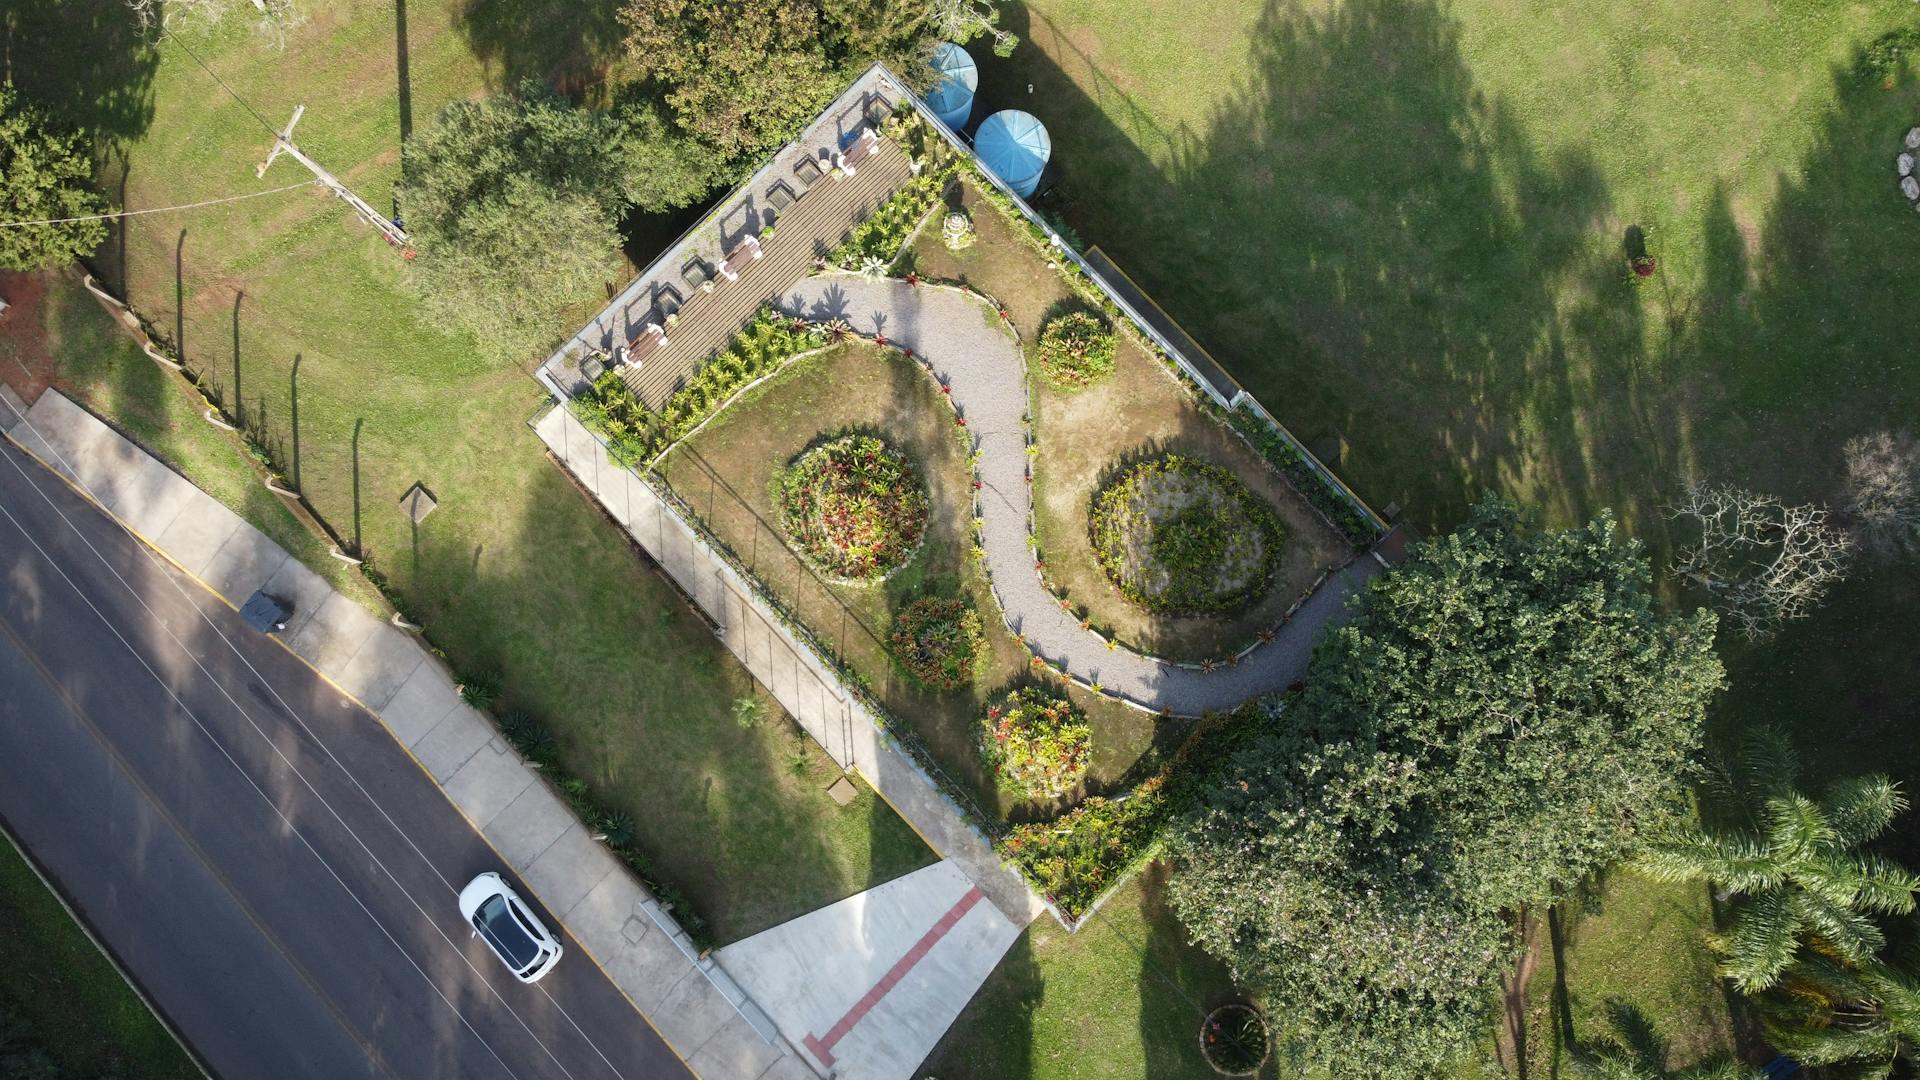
[(1883, 491), (963, 20), (1765, 563), (276, 17)]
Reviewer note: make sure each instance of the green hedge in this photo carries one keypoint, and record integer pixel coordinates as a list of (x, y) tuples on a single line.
[(1283, 455), (1075, 858), (636, 434)]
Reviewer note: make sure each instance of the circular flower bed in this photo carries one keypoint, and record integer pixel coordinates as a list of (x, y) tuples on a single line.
[(1075, 350), (854, 506), (1182, 537), (936, 641), (1233, 1039), (1036, 743)]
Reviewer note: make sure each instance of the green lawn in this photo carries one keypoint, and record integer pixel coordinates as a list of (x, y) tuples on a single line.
[(1401, 223), (516, 572), (1123, 997), (75, 1005)]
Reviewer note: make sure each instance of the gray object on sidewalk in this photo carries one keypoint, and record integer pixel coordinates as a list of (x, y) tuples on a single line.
[(264, 613)]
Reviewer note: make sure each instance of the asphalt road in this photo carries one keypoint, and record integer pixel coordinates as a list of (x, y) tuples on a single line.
[(272, 867)]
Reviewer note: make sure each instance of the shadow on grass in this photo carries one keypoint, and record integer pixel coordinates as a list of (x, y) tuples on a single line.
[(567, 44)]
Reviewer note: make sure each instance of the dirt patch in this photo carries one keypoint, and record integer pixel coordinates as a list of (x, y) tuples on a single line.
[(725, 474), (26, 364), (1140, 409)]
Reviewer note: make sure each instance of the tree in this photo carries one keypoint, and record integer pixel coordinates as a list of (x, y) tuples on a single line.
[(275, 17), (1764, 563), (1502, 714), (961, 21), (1793, 866), (45, 173), (661, 168), (1883, 491), (743, 75), (1634, 1050), (514, 205), (1848, 1020)]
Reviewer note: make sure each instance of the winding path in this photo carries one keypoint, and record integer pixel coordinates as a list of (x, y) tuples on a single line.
[(958, 335)]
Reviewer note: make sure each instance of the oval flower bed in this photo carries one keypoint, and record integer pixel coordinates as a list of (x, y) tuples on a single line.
[(1075, 350), (1036, 743), (1183, 537), (854, 506), (936, 640)]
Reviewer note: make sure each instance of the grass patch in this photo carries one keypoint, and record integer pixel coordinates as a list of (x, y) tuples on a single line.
[(76, 1005), (516, 572), (1086, 431), (1123, 997)]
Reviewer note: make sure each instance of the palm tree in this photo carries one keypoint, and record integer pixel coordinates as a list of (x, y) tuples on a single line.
[(1794, 869), (1635, 1051), (1854, 1021)]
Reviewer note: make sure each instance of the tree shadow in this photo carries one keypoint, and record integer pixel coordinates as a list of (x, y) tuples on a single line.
[(567, 44), (86, 61)]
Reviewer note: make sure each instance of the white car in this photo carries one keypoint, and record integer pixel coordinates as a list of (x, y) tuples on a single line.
[(511, 930)]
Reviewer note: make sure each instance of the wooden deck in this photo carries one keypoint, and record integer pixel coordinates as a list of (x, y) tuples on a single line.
[(815, 224)]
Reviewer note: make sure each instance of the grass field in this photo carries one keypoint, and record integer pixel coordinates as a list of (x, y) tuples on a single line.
[(1401, 223), (74, 1002), (515, 572)]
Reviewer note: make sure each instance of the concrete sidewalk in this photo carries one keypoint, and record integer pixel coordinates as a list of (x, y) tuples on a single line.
[(868, 985), (701, 1012)]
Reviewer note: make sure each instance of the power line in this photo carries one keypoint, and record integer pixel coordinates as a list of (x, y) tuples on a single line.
[(157, 209), (216, 78)]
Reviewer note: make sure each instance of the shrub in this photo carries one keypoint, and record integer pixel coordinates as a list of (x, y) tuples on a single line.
[(636, 434), (1180, 536), (1075, 350), (45, 173), (481, 690), (1283, 455), (1881, 59), (936, 640), (854, 506), (885, 231), (1036, 743)]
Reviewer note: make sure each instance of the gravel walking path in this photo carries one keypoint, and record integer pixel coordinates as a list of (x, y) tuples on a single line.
[(960, 337)]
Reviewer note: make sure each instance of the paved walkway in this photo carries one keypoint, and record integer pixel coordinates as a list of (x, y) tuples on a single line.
[(982, 363), (700, 1011), (868, 985)]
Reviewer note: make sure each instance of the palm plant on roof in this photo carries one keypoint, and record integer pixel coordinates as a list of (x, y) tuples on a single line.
[(1794, 868)]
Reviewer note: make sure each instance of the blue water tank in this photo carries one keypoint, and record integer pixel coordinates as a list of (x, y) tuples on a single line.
[(1015, 146), (952, 100)]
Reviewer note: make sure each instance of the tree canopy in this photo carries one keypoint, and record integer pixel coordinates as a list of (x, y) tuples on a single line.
[(744, 75), (1502, 715), (45, 173), (514, 204)]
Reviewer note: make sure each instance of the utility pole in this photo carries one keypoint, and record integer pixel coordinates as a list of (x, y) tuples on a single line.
[(283, 144)]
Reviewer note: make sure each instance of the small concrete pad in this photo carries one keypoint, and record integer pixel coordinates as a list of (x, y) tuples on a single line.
[(332, 633), (420, 703), (842, 791), (457, 736), (489, 781), (245, 562), (418, 502), (304, 591), (198, 532), (735, 1050), (386, 660), (691, 1013), (529, 825), (568, 870)]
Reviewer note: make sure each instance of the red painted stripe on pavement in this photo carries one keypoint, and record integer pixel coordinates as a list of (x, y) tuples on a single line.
[(822, 1047)]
